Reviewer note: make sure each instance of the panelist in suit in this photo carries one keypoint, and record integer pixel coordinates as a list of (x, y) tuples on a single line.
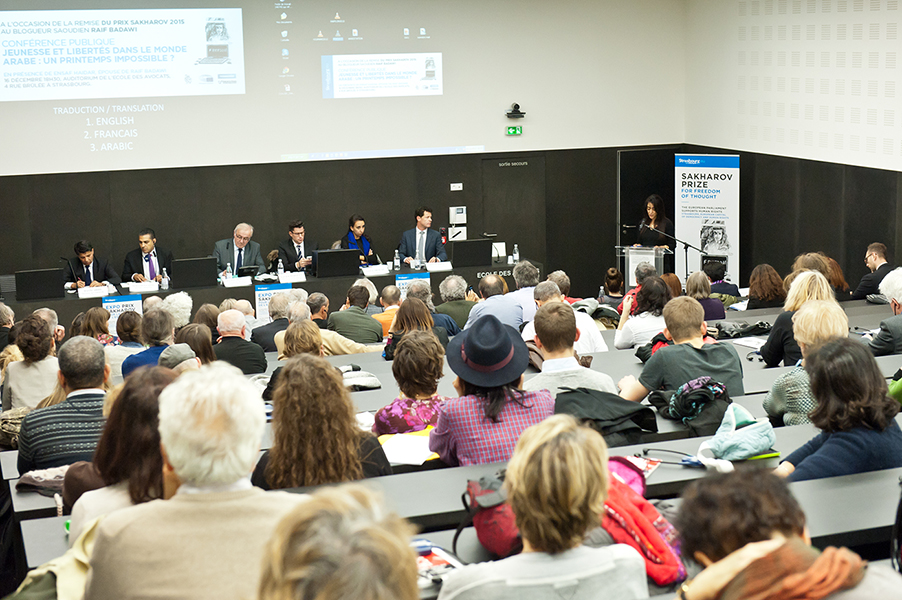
[(296, 252), (88, 270), (147, 261), (421, 242), (358, 240), (875, 259), (239, 251)]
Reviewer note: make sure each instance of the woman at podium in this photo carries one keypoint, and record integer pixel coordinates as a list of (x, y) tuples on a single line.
[(655, 227)]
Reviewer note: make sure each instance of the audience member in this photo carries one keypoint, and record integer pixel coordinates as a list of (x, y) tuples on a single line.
[(76, 324), (151, 302), (422, 290), (555, 333), (698, 286), (158, 331), (250, 320), (526, 276), (96, 325), (611, 293), (207, 314), (588, 338), (838, 280), (483, 424), (889, 339), (30, 380), (688, 358), (812, 261), (56, 330), (264, 335), (318, 303), (854, 413), (301, 337), (233, 348), (7, 320), (353, 322), (563, 283), (418, 365), (128, 330), (9, 355), (390, 300), (197, 336), (127, 467), (749, 533), (412, 316), (207, 540), (68, 432), (716, 271), (372, 308), (455, 304), (556, 484), (228, 304), (179, 305), (179, 358), (334, 344), (790, 399), (875, 260), (311, 398), (647, 323), (644, 270), (673, 282), (340, 545), (496, 303), (780, 344), (765, 288)]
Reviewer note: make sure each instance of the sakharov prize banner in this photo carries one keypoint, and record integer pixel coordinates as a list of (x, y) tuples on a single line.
[(706, 190)]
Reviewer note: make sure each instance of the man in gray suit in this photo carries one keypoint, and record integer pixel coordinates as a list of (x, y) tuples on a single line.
[(239, 251), (889, 339)]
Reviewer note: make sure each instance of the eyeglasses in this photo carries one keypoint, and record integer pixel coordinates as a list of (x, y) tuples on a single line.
[(242, 238)]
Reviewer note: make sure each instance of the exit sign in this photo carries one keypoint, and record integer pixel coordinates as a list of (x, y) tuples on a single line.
[(515, 130)]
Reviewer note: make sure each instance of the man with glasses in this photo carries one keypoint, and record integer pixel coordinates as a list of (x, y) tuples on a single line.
[(875, 259), (239, 251), (296, 253)]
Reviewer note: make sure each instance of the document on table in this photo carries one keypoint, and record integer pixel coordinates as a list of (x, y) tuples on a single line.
[(750, 342), (407, 449)]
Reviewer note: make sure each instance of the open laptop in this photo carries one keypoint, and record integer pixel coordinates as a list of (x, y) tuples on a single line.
[(40, 284), (470, 253), (336, 263), (194, 272)]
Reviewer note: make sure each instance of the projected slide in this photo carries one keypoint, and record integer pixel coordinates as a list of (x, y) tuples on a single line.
[(90, 54), (382, 75)]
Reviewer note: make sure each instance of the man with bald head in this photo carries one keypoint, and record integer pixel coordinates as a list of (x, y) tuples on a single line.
[(239, 251), (495, 302), (233, 348)]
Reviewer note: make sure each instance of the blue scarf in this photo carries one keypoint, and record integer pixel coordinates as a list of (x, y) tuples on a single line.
[(352, 243)]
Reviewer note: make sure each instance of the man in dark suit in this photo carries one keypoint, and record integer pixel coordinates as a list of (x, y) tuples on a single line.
[(88, 270), (147, 261), (233, 348), (421, 242), (296, 253), (875, 259), (264, 335), (239, 250)]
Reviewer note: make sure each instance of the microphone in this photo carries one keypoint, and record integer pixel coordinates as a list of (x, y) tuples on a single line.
[(629, 227), (379, 258), (643, 226), (489, 235)]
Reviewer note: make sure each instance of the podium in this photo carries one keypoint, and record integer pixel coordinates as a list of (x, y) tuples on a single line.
[(630, 256)]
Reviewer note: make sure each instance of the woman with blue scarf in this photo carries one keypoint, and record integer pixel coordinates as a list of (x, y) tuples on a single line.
[(358, 240)]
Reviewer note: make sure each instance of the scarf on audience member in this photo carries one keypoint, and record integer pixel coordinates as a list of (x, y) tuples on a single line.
[(796, 571)]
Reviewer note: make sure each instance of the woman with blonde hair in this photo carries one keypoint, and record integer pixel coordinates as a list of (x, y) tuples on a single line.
[(316, 438), (781, 345), (698, 286), (302, 337), (816, 323), (556, 484)]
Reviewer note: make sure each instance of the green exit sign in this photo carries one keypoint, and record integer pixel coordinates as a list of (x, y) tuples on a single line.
[(518, 130)]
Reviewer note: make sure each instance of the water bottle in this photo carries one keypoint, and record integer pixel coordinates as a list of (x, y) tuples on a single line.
[(228, 273), (397, 261), (164, 283), (280, 269), (516, 254)]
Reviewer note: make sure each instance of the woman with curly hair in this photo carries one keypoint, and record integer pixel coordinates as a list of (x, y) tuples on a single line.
[(96, 325), (316, 438), (648, 322), (31, 380)]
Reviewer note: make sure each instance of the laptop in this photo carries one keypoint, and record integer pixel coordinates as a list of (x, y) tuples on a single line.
[(336, 263), (40, 284), (194, 272), (470, 253)]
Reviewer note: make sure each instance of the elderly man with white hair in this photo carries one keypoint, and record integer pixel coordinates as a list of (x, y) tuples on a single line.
[(263, 335), (239, 251), (233, 348), (207, 539), (589, 337), (889, 339)]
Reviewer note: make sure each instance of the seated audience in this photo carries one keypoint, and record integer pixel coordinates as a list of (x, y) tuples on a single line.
[(341, 544), (673, 282), (251, 322), (765, 288), (716, 271), (422, 290), (56, 330), (233, 348), (812, 261), (854, 413), (207, 540), (816, 323), (318, 303), (127, 467), (264, 335), (688, 358), (556, 483), (68, 432), (334, 344), (158, 331), (310, 399), (647, 323), (75, 325), (418, 365), (372, 308), (780, 344), (483, 424), (838, 280), (555, 334), (749, 533), (197, 336), (588, 338), (128, 330), (875, 260), (151, 302), (412, 316), (302, 337), (354, 322), (496, 303), (455, 303), (390, 300), (889, 339), (526, 276), (643, 271), (10, 354), (699, 287), (30, 380), (611, 293), (179, 305), (207, 315), (563, 283), (96, 325), (7, 320)]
